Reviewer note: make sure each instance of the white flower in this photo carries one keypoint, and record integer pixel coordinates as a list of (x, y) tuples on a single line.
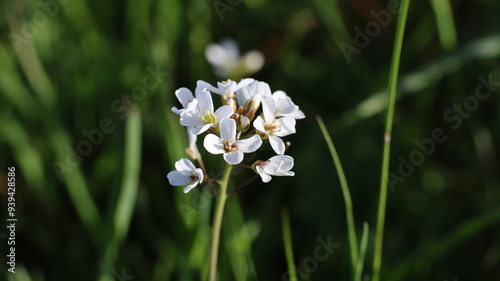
[(255, 88), (225, 87), (279, 165), (203, 117), (228, 145), (186, 173), (226, 60), (186, 98), (284, 106), (273, 128)]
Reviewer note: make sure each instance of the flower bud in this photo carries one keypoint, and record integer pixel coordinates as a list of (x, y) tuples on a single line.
[(243, 124), (240, 110), (229, 99), (253, 102), (250, 113)]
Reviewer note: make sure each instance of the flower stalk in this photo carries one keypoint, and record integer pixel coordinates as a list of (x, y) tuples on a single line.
[(219, 211), (392, 89)]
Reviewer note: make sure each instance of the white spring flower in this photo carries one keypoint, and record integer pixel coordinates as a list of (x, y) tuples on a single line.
[(272, 128), (186, 174), (279, 165), (203, 117), (285, 107), (244, 94), (227, 144), (225, 87), (185, 97), (226, 60)]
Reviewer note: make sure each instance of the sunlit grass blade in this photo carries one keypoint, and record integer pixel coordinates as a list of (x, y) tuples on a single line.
[(392, 90), (287, 244), (362, 252), (445, 24), (122, 213), (351, 229)]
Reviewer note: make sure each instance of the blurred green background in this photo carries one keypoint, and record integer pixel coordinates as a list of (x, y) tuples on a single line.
[(66, 68)]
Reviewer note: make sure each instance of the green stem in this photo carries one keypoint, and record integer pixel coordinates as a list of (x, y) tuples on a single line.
[(287, 244), (392, 89), (219, 211), (351, 230), (362, 252)]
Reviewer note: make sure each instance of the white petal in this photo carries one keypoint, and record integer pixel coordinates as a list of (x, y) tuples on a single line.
[(192, 149), (278, 95), (259, 124), (277, 144), (287, 126), (199, 174), (215, 54), (200, 128), (191, 118), (233, 157), (249, 145), (297, 114), (253, 60), (176, 178), (286, 159), (272, 166), (227, 128), (190, 186), (224, 111), (279, 165), (230, 47), (265, 176), (184, 165), (184, 96), (263, 89), (227, 87), (245, 93), (268, 109), (243, 83), (213, 144), (205, 101), (177, 111)]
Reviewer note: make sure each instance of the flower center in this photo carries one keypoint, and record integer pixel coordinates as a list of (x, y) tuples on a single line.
[(208, 117), (229, 145), (194, 177), (272, 127)]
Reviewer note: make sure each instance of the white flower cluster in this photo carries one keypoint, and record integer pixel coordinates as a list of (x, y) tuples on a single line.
[(230, 130)]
